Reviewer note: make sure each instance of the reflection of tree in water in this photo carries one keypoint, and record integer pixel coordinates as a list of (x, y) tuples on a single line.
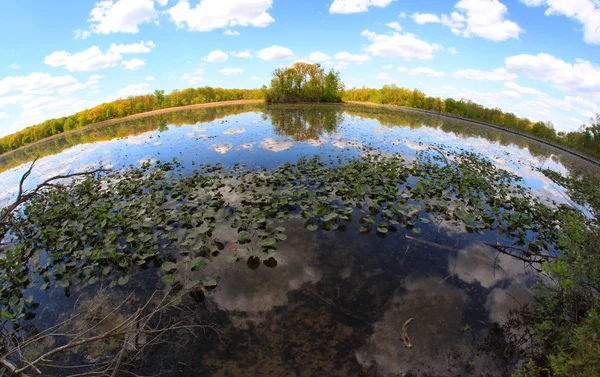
[(304, 123)]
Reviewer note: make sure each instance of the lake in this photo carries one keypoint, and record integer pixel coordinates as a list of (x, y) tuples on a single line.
[(333, 300)]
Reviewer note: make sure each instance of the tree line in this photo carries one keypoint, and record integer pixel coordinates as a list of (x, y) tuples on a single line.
[(122, 108), (586, 139), (304, 82)]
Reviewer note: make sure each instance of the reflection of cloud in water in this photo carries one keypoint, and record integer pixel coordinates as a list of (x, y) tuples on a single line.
[(345, 143), (222, 147), (248, 295), (276, 145), (502, 300), (317, 142), (144, 160), (234, 131), (435, 334), (247, 145), (479, 263), (158, 143), (415, 146)]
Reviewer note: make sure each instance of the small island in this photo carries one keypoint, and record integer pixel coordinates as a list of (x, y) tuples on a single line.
[(304, 82)]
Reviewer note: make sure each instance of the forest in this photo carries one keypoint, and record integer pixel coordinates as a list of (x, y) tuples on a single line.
[(304, 82)]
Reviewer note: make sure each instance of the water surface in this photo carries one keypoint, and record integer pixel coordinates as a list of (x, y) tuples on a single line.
[(335, 302)]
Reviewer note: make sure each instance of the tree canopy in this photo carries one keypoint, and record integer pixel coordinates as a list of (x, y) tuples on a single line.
[(304, 82)]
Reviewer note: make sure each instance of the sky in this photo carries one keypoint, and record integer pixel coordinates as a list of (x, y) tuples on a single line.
[(535, 58)]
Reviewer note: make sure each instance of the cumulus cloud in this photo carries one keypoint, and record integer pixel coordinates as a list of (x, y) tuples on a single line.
[(14, 66), (406, 46), (216, 56), (40, 83), (356, 6), (121, 16), (580, 78), (354, 58), (231, 71), (15, 99), (134, 89), (394, 25), (586, 12), (232, 33), (93, 58), (150, 78), (133, 64), (402, 69), (482, 18), (498, 74), (424, 71), (318, 56), (3, 116), (246, 54), (452, 50), (194, 78), (275, 53), (214, 14)]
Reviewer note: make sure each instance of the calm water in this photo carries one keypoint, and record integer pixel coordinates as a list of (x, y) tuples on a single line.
[(335, 302)]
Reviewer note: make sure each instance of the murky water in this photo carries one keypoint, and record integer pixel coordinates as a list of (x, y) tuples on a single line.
[(334, 303)]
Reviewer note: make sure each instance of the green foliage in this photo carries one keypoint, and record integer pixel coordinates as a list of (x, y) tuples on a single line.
[(304, 82), (122, 108), (587, 140)]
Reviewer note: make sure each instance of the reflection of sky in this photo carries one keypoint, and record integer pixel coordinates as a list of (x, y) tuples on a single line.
[(217, 141)]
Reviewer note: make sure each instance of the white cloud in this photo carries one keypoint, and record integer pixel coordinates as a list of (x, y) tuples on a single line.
[(482, 18), (452, 50), (356, 6), (81, 34), (394, 25), (194, 78), (231, 32), (246, 54), (134, 90), (521, 89), (16, 99), (3, 116), (402, 15), (402, 69), (133, 64), (96, 77), (318, 56), (425, 18), (275, 53), (581, 78), (485, 18), (162, 3), (424, 71), (389, 66), (133, 48), (216, 56), (586, 12), (121, 16), (88, 60), (406, 46), (231, 71), (355, 58), (150, 78), (40, 83), (254, 78), (93, 58), (215, 14), (14, 66), (498, 74)]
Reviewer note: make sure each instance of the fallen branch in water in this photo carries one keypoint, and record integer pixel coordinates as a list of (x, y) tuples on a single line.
[(405, 337)]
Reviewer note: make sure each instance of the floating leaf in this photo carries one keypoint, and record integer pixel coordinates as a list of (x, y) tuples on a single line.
[(268, 242), (312, 227), (168, 266), (198, 263), (232, 258), (209, 282), (123, 280), (168, 278)]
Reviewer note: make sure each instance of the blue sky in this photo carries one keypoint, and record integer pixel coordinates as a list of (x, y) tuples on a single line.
[(536, 58)]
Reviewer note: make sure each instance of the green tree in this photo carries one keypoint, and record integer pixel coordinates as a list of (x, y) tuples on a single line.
[(304, 82), (160, 97)]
